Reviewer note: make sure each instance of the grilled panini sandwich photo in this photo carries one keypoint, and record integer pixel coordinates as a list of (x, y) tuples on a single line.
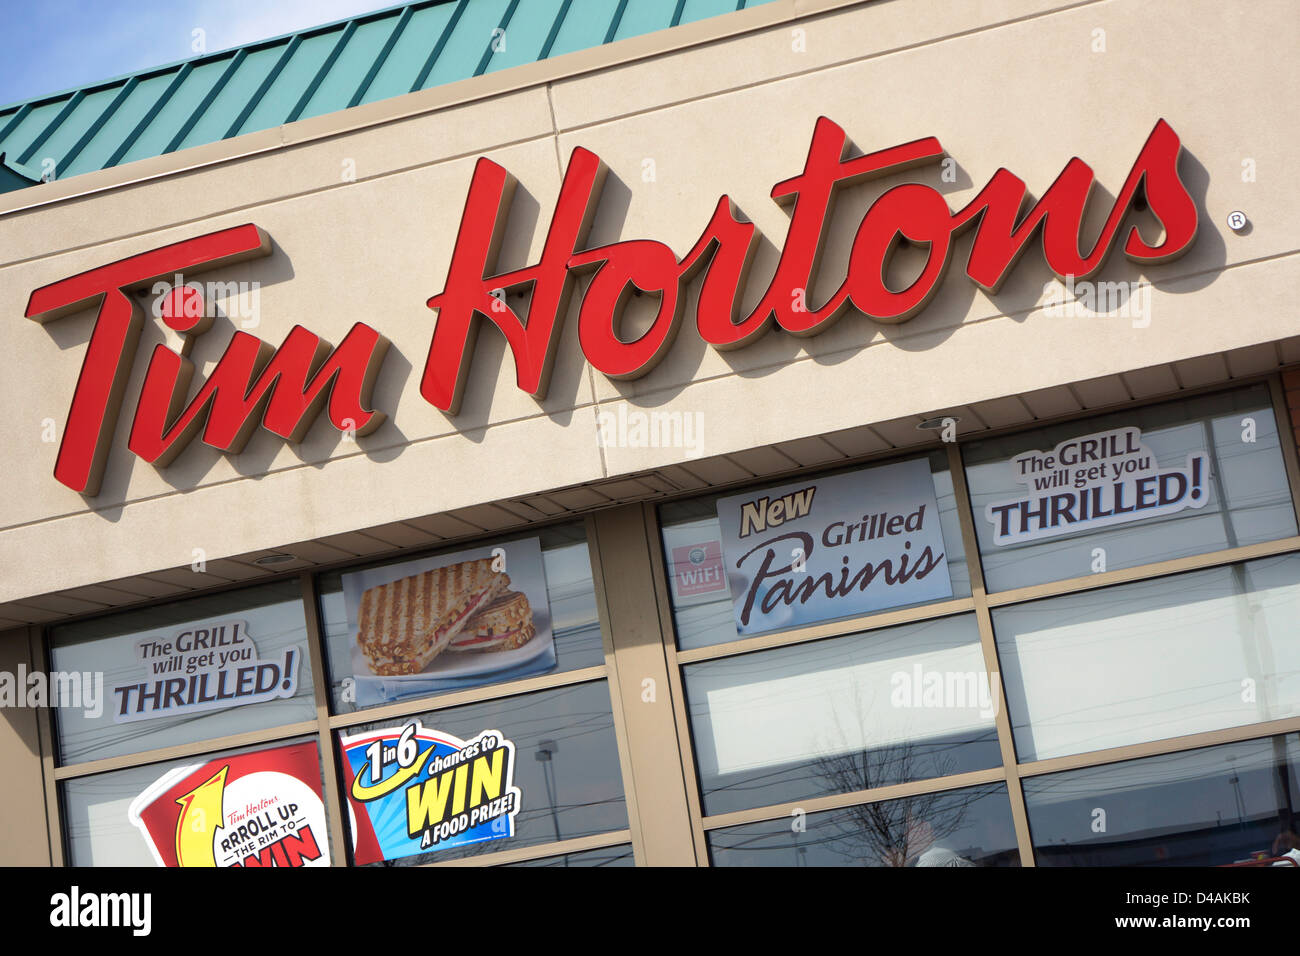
[(405, 624), (503, 625)]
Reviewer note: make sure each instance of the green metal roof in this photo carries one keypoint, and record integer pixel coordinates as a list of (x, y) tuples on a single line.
[(322, 70)]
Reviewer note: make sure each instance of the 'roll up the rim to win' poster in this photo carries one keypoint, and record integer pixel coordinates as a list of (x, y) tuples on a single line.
[(253, 809)]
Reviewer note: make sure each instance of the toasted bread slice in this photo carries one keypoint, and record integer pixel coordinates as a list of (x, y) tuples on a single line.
[(503, 625), (405, 624)]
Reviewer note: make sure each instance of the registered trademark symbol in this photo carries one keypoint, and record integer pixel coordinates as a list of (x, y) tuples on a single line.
[(1237, 220)]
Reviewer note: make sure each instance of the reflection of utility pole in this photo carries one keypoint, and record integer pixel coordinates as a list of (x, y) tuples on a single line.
[(1235, 780), (546, 749)]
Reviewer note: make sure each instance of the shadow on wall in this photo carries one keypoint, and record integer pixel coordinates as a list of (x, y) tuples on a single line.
[(23, 840)]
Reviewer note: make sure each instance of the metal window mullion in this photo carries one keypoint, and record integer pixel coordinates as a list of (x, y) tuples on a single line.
[(844, 627), (617, 700), (482, 694), (538, 851), (855, 798), (248, 738), (1161, 747), (989, 650), (1144, 572), (661, 825), (36, 645), (339, 855), (1286, 442), (676, 686)]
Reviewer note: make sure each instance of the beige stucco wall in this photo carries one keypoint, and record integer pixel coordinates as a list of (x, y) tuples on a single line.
[(24, 839), (1013, 84)]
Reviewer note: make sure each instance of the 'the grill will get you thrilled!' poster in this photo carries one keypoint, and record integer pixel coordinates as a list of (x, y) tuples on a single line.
[(254, 809)]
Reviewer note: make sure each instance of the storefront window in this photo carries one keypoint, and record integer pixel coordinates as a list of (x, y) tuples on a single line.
[(528, 607), (1135, 487), (260, 806), (185, 671), (1210, 807), (548, 771), (852, 543), (853, 713), (969, 827), (1161, 658), (869, 704)]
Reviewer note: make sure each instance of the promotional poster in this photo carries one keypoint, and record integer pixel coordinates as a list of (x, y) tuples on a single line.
[(1093, 482), (204, 668), (413, 790), (834, 547), (255, 809), (450, 621)]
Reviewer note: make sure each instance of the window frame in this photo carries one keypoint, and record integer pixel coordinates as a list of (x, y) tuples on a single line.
[(981, 602), (644, 605)]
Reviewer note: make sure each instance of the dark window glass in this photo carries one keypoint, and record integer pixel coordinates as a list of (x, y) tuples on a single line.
[(968, 827), (1236, 803), (852, 713)]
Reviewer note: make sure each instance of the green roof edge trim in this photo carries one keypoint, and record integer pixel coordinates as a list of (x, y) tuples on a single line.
[(198, 100)]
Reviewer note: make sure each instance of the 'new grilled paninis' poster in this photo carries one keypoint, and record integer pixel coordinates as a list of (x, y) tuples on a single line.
[(834, 547)]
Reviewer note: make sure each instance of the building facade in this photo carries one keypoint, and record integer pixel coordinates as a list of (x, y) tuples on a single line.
[(880, 448)]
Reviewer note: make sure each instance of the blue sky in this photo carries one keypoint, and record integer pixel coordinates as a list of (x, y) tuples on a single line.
[(51, 45)]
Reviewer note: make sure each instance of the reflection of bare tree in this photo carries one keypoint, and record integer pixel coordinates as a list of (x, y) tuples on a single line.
[(890, 832)]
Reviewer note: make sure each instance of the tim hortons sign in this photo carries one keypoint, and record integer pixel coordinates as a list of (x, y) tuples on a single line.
[(283, 389)]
